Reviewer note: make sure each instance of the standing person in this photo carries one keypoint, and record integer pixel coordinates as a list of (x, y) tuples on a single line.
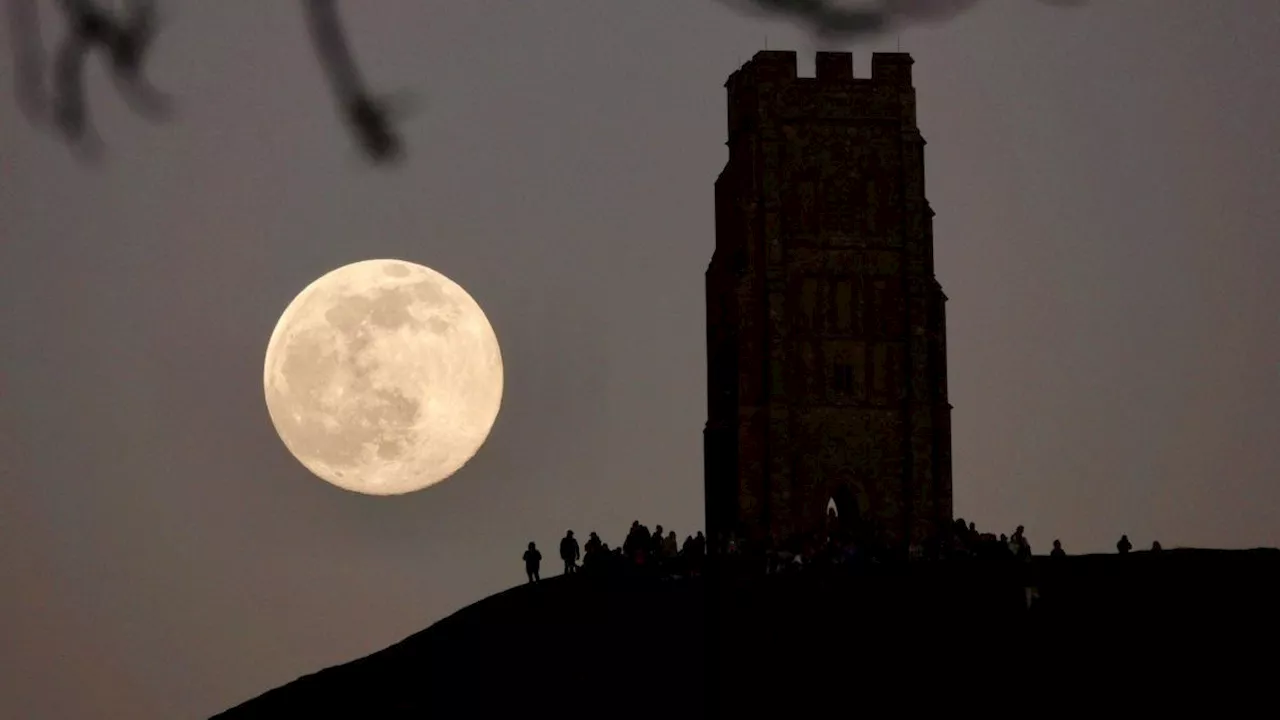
[(570, 553), (1021, 546), (593, 545), (532, 560)]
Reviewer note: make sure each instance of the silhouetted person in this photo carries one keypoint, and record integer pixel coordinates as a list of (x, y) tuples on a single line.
[(592, 549), (653, 547), (532, 560), (670, 547), (635, 540), (1003, 550), (1057, 549), (570, 553), (1124, 546), (697, 552), (1019, 544)]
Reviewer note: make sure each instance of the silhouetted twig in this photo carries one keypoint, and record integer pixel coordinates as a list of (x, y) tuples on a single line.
[(369, 118), (125, 39), (825, 17), (846, 19), (28, 59)]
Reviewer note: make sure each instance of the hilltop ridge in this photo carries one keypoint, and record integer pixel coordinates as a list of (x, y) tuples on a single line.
[(620, 646)]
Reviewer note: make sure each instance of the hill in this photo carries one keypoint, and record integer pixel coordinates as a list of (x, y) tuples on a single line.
[(806, 643)]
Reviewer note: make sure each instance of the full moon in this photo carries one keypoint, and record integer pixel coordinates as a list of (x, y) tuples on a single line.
[(383, 377)]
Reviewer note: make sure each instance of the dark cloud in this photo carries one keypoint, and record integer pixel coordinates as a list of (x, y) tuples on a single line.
[(848, 19)]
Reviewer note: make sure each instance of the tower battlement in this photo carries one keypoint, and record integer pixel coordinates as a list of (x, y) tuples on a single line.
[(769, 87), (780, 66)]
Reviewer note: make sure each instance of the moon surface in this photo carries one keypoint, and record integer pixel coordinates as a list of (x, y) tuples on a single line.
[(383, 377)]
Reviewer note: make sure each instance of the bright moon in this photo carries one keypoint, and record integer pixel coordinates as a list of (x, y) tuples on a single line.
[(383, 377)]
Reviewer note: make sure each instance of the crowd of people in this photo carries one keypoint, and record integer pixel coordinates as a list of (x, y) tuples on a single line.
[(660, 553)]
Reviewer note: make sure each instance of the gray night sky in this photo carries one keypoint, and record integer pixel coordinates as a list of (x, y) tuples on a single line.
[(1105, 181)]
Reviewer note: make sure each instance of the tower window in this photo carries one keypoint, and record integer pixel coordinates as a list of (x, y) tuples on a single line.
[(844, 305), (809, 302), (843, 377)]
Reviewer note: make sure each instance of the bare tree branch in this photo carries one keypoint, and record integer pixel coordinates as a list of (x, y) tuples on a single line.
[(68, 79), (137, 31), (28, 59), (124, 40), (369, 118), (126, 37), (851, 19), (825, 18)]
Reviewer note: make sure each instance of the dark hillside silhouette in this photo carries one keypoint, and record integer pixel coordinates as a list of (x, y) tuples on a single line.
[(810, 644), (575, 643)]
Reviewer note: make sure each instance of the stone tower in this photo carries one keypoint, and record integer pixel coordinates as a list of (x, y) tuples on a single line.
[(826, 334)]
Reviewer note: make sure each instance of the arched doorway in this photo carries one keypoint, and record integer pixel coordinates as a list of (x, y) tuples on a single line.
[(845, 511)]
